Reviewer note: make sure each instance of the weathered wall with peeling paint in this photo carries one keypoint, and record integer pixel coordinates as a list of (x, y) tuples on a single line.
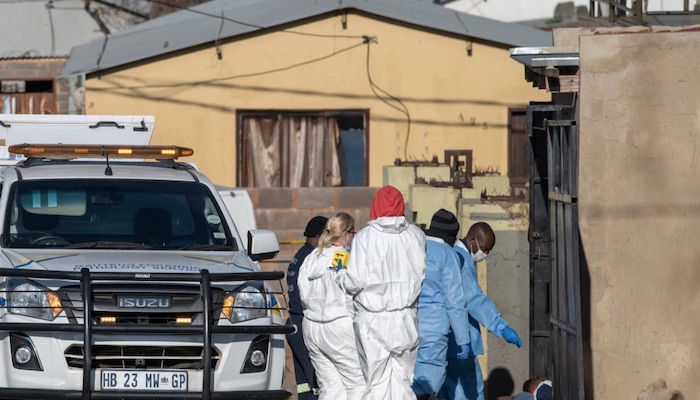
[(639, 186)]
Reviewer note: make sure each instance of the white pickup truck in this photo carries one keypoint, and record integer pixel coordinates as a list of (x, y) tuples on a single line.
[(122, 274)]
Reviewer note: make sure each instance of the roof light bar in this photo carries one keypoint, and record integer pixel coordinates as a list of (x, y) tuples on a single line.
[(99, 151)]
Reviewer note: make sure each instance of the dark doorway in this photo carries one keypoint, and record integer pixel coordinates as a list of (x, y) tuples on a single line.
[(555, 249)]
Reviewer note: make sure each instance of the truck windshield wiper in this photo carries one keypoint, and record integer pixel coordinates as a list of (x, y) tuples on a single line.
[(208, 247), (110, 245)]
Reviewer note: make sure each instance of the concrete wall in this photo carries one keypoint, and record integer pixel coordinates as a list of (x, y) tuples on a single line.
[(505, 277), (639, 178), (455, 101), (435, 192)]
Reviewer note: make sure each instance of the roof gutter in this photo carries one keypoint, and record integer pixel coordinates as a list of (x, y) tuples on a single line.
[(552, 68), (540, 57)]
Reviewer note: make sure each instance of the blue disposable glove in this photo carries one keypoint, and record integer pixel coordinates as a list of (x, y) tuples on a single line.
[(511, 336), (340, 265), (463, 352)]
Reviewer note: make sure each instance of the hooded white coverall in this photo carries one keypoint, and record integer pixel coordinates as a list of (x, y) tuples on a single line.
[(385, 273), (328, 329)]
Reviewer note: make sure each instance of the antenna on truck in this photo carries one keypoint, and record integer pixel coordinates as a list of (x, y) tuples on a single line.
[(108, 170)]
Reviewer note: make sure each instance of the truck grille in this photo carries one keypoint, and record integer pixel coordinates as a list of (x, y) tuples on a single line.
[(146, 318), (141, 357), (184, 301)]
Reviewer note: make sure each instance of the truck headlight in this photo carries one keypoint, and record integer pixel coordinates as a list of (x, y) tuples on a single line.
[(34, 300), (245, 304)]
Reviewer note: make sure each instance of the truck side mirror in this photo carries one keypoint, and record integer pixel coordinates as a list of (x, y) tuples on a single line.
[(262, 244)]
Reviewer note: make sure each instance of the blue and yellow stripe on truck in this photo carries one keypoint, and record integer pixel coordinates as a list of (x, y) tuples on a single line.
[(274, 305)]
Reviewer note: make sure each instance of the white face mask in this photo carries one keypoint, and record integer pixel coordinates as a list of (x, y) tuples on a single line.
[(479, 255), (347, 246)]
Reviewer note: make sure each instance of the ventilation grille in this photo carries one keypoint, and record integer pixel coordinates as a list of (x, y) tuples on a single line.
[(141, 357)]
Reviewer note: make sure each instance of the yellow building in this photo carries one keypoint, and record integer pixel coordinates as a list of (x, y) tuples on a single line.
[(317, 93)]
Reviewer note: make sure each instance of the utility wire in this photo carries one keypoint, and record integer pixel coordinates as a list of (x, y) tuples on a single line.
[(49, 6), (25, 1), (459, 18), (218, 37), (121, 8), (375, 88), (475, 5), (254, 25), (223, 18), (366, 40), (252, 74)]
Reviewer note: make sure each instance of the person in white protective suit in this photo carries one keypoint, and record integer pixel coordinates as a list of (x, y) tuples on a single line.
[(328, 326), (385, 274)]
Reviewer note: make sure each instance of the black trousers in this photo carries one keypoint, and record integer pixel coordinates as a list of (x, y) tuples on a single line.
[(303, 369)]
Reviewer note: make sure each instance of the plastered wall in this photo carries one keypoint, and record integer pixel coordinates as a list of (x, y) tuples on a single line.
[(454, 100), (505, 278), (639, 186)]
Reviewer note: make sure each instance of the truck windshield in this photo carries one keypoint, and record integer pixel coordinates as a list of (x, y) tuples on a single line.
[(123, 214)]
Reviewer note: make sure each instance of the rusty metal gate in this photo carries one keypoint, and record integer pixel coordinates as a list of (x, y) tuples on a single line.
[(556, 322)]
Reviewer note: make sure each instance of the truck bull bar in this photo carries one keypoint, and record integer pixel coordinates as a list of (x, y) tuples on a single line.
[(86, 279)]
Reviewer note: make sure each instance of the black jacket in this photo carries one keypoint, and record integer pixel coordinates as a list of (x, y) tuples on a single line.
[(295, 306)]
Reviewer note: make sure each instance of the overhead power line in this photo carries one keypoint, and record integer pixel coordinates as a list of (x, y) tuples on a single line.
[(252, 74), (318, 35), (376, 89)]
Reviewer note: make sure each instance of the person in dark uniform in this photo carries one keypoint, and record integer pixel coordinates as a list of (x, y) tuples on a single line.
[(307, 388)]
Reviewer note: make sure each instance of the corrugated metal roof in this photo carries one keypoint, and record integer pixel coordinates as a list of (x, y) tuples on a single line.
[(33, 29), (193, 27)]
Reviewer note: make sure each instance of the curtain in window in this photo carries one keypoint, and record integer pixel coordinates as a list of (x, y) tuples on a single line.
[(291, 151), (28, 103)]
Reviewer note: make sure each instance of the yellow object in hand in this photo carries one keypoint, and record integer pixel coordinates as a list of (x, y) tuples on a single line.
[(340, 259)]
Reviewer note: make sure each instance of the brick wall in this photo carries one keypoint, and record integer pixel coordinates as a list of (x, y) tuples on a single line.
[(286, 211), (32, 69)]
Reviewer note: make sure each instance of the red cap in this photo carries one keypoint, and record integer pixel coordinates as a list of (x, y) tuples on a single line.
[(388, 202)]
